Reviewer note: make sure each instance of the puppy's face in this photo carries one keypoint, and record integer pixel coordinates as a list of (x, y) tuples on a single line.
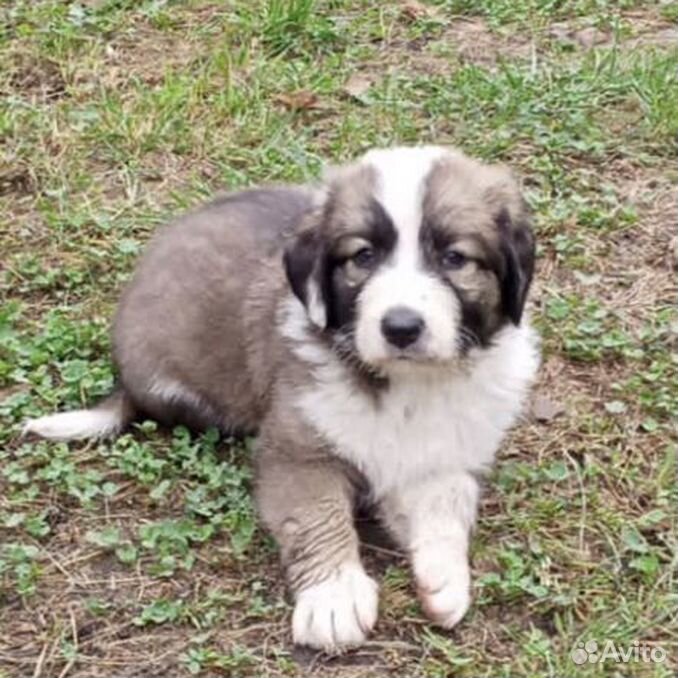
[(416, 255)]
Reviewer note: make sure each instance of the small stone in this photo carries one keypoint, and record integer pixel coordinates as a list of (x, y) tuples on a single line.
[(590, 37), (357, 85), (544, 409)]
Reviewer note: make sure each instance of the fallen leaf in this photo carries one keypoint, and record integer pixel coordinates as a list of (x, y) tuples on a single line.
[(587, 278), (544, 409), (111, 52), (357, 85), (413, 10), (561, 31), (303, 100), (16, 181)]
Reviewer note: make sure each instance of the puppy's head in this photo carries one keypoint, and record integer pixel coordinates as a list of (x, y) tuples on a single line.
[(415, 256)]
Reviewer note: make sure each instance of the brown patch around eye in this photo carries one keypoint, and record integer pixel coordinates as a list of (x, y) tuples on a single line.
[(470, 248), (475, 279), (351, 252), (349, 246), (467, 271), (479, 285), (354, 275)]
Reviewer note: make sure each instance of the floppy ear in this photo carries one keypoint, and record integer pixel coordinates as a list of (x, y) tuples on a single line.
[(518, 251), (304, 269)]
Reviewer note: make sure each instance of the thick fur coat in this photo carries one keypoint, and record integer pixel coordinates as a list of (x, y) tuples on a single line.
[(371, 331)]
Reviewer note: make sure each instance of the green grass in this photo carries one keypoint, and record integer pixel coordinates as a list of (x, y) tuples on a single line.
[(143, 554)]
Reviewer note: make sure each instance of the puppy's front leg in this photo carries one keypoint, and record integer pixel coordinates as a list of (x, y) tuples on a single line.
[(308, 507), (432, 519)]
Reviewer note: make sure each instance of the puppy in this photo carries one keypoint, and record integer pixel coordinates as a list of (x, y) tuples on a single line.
[(371, 331)]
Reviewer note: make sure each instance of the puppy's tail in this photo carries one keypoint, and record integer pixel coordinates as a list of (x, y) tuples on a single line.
[(109, 417)]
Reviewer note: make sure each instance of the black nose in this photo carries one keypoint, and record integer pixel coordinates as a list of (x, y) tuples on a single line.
[(401, 326)]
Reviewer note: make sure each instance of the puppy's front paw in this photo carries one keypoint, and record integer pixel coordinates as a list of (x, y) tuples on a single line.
[(443, 582), (337, 612)]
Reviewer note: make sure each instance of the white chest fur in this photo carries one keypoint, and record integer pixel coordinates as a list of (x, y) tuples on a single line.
[(424, 424)]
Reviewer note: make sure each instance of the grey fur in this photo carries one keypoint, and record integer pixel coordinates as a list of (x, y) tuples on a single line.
[(200, 311)]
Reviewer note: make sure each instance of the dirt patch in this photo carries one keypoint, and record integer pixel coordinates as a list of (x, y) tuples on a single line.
[(453, 43), (476, 44), (635, 273), (36, 78), (17, 180), (149, 56), (650, 29), (461, 41), (644, 31), (655, 197), (469, 40)]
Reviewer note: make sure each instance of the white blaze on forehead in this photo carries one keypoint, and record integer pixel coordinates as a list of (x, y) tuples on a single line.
[(401, 176), (403, 279)]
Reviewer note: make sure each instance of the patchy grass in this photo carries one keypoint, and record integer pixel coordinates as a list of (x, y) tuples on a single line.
[(142, 555)]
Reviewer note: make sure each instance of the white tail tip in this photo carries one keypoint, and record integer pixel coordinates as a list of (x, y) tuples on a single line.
[(75, 425)]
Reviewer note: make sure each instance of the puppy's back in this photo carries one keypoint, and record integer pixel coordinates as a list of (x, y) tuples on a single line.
[(192, 332), (184, 331)]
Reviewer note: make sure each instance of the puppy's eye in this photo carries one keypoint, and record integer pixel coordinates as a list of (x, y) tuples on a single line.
[(365, 258), (453, 260)]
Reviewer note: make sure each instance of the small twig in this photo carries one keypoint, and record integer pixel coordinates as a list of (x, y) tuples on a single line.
[(533, 58), (12, 660), (105, 583), (126, 662), (74, 632), (41, 660), (582, 520), (238, 633), (87, 556), (55, 562), (389, 644), (111, 631)]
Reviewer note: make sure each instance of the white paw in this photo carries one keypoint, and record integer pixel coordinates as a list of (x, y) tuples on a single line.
[(443, 582), (337, 612)]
